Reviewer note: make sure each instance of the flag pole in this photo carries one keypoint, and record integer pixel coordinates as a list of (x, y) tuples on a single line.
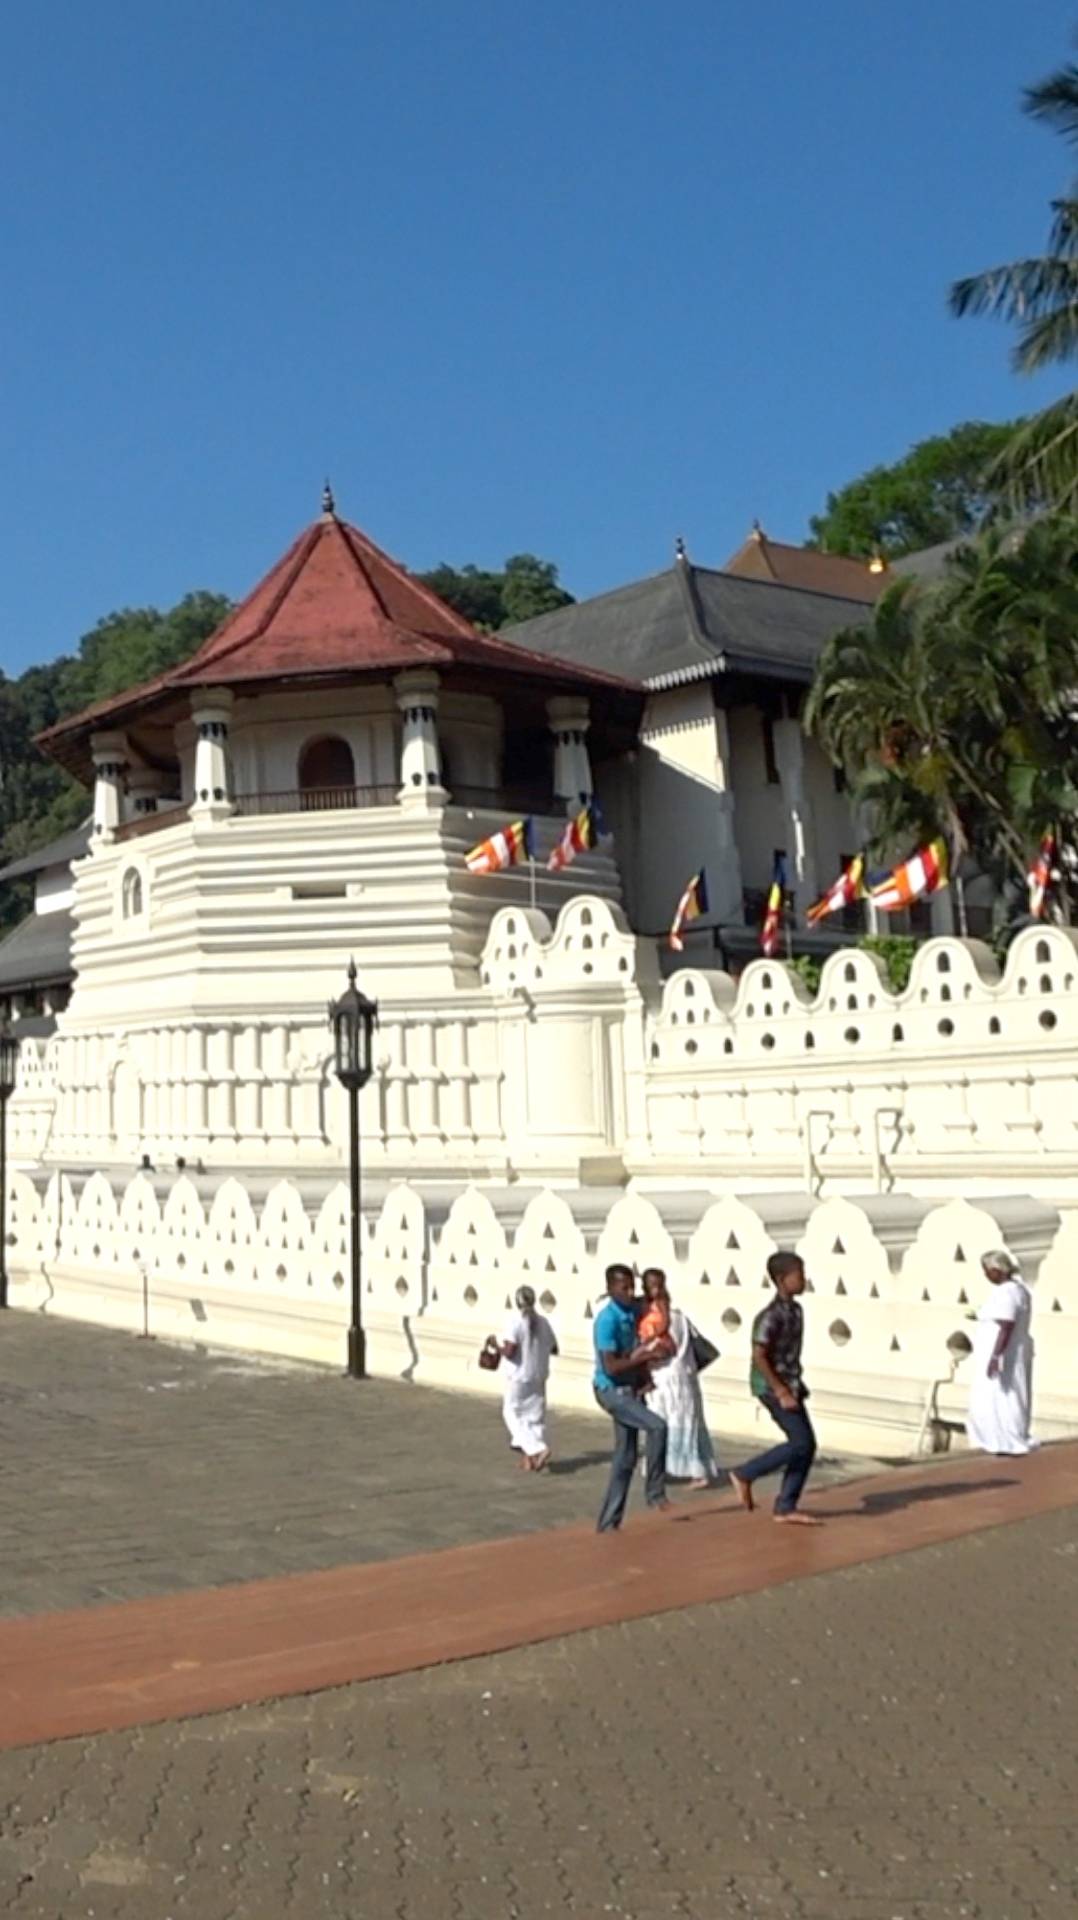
[(531, 880)]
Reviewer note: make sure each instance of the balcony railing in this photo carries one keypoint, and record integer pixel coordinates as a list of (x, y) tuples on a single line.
[(315, 799), (151, 822)]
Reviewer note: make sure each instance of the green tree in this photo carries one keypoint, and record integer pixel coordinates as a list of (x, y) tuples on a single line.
[(1039, 295), (526, 586), (938, 491), (952, 710), (38, 800)]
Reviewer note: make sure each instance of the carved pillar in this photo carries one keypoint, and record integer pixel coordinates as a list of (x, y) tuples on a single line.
[(211, 712), (109, 752), (800, 825), (569, 721), (145, 786), (421, 767), (724, 875)]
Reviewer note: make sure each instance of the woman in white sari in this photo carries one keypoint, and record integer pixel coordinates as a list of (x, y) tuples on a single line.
[(1002, 1389), (675, 1395), (527, 1344)]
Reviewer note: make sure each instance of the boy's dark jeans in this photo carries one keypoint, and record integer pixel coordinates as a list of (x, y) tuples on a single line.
[(792, 1457)]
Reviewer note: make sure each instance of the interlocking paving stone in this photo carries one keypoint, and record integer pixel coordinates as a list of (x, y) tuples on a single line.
[(894, 1741), (133, 1468)]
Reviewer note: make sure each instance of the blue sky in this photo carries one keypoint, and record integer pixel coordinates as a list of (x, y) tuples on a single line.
[(571, 277)]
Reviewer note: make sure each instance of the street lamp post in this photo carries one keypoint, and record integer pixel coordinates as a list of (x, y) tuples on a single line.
[(353, 1019), (9, 1066)]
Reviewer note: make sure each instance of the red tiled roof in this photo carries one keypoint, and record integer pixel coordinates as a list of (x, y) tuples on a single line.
[(836, 573), (335, 604)]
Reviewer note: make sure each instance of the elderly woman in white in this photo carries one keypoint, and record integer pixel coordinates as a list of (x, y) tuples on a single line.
[(528, 1342), (1002, 1388)]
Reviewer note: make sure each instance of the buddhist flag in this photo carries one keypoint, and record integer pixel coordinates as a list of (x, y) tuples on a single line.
[(925, 872), (692, 904), (504, 849), (771, 930), (846, 889), (580, 835), (1040, 876)]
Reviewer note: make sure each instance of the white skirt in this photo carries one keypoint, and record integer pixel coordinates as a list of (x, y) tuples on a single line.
[(524, 1413)]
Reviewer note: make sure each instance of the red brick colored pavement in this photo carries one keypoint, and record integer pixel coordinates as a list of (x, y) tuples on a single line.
[(112, 1667)]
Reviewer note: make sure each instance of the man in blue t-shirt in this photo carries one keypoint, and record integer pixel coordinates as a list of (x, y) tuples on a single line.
[(620, 1375)]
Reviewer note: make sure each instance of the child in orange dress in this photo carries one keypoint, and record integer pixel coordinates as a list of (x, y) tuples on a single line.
[(653, 1326)]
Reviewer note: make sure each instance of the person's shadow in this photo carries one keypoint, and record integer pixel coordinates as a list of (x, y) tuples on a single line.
[(579, 1463), (892, 1499)]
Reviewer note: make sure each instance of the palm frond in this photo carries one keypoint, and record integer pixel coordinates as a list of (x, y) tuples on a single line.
[(1040, 461), (1055, 101)]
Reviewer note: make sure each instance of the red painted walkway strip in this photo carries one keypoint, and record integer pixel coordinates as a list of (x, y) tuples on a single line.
[(106, 1667)]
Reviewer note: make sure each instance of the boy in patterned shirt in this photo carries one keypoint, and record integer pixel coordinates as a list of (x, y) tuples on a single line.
[(775, 1379)]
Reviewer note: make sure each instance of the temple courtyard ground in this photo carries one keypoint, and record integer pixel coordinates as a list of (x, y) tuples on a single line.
[(275, 1645)]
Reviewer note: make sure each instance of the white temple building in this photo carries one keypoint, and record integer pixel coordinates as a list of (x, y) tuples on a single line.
[(548, 1094)]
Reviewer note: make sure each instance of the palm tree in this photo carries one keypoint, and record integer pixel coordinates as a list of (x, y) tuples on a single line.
[(954, 711), (1040, 296)]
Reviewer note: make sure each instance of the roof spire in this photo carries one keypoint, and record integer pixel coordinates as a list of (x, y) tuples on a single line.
[(757, 532), (679, 549), (329, 508)]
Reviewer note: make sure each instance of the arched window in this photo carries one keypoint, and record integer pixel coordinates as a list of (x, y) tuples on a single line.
[(327, 772), (131, 893)]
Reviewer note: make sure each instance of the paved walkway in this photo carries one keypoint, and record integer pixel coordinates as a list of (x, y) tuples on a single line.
[(109, 1667), (894, 1741), (132, 1468)]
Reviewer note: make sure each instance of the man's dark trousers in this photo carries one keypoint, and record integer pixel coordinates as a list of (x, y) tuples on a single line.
[(631, 1418), (792, 1457)]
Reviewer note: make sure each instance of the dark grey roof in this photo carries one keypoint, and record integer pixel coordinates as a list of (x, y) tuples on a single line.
[(38, 952), (930, 563), (57, 853), (691, 623)]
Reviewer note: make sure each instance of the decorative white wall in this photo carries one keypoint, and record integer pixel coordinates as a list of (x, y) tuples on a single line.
[(893, 1282)]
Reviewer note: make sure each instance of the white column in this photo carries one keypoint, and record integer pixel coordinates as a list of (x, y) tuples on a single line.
[(569, 720), (144, 786), (800, 836), (109, 752), (211, 711), (421, 767), (724, 870)]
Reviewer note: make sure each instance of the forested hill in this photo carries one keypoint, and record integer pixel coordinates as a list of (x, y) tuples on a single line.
[(38, 801)]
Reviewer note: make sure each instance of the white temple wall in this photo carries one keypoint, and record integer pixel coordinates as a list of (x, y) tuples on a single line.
[(893, 1283), (565, 1061)]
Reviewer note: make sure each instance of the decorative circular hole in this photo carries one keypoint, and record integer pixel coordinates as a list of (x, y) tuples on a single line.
[(959, 1345), (401, 1286), (840, 1332), (338, 1281), (471, 1298), (810, 1042), (853, 1035), (946, 1028), (282, 1273), (1047, 1020), (767, 1040), (690, 1046), (731, 1320), (547, 1301)]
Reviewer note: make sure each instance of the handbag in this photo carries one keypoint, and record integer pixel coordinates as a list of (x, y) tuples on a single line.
[(490, 1355), (703, 1350)]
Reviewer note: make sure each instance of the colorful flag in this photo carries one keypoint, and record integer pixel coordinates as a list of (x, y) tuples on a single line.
[(846, 890), (504, 849), (926, 871), (692, 904), (580, 835), (1041, 874), (772, 927)]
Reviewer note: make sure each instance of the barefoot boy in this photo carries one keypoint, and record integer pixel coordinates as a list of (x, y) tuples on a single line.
[(776, 1380)]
